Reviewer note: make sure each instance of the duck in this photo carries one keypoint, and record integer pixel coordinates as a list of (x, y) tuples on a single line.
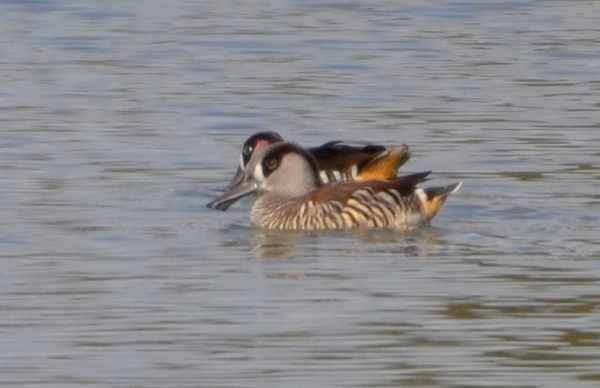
[(292, 196), (336, 161)]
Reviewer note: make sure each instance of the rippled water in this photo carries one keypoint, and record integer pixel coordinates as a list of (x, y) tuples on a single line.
[(121, 120)]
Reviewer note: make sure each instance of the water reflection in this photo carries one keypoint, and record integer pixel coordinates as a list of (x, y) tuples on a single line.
[(280, 244), (423, 242)]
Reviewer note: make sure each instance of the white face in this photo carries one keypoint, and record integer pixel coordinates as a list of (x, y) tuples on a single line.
[(291, 178), (264, 184), (257, 156), (258, 173)]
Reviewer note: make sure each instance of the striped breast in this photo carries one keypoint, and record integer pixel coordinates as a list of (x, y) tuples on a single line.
[(363, 208)]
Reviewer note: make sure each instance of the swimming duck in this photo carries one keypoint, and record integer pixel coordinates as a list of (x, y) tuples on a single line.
[(293, 196)]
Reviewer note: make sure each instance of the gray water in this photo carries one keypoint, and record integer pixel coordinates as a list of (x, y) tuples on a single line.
[(120, 120)]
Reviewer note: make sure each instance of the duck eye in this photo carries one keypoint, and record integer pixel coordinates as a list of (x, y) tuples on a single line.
[(271, 164), (248, 149)]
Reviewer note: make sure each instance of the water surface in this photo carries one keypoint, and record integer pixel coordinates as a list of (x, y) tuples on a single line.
[(121, 120)]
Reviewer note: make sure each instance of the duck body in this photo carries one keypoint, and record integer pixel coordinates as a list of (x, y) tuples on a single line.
[(292, 196), (395, 204)]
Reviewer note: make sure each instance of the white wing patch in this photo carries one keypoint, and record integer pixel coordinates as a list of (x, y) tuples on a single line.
[(324, 177), (421, 194)]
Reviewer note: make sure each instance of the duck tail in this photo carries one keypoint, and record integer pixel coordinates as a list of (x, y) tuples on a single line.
[(434, 197)]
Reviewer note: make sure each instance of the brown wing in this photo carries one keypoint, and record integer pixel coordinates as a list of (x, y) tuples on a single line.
[(342, 191)]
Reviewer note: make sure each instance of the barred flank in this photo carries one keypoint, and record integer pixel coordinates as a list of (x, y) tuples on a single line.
[(364, 209)]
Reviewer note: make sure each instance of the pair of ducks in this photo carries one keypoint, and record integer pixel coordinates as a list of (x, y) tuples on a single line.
[(333, 186)]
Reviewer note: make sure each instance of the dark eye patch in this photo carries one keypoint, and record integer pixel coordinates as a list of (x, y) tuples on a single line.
[(271, 164), (247, 152), (253, 142)]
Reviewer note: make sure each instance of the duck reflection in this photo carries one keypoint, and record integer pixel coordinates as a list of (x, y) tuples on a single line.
[(423, 242)]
